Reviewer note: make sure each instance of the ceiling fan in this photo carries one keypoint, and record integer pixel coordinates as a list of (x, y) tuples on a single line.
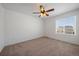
[(42, 11)]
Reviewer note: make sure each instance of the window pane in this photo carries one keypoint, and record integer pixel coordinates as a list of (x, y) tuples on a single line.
[(66, 25)]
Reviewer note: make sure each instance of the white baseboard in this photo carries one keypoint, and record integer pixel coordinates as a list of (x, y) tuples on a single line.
[(75, 43), (9, 44)]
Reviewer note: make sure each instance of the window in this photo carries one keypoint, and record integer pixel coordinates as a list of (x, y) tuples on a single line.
[(66, 25)]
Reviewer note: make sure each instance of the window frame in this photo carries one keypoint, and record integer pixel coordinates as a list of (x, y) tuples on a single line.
[(62, 19)]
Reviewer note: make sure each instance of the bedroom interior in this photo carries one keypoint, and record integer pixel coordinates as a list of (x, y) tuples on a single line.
[(28, 30)]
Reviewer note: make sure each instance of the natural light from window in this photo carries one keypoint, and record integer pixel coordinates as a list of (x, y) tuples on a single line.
[(66, 25)]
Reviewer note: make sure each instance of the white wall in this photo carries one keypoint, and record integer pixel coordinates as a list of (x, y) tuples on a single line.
[(1, 27), (50, 24), (21, 27)]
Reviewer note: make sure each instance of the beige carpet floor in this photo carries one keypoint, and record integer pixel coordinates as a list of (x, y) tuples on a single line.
[(41, 47)]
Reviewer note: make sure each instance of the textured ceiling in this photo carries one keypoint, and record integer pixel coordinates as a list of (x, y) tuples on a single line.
[(29, 8)]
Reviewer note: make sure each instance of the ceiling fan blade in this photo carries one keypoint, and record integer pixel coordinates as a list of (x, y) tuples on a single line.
[(50, 10), (36, 12)]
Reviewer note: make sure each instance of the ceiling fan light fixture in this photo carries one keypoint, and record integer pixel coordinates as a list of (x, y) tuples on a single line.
[(43, 12)]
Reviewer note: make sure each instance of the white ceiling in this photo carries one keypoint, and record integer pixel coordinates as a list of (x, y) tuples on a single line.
[(29, 8)]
